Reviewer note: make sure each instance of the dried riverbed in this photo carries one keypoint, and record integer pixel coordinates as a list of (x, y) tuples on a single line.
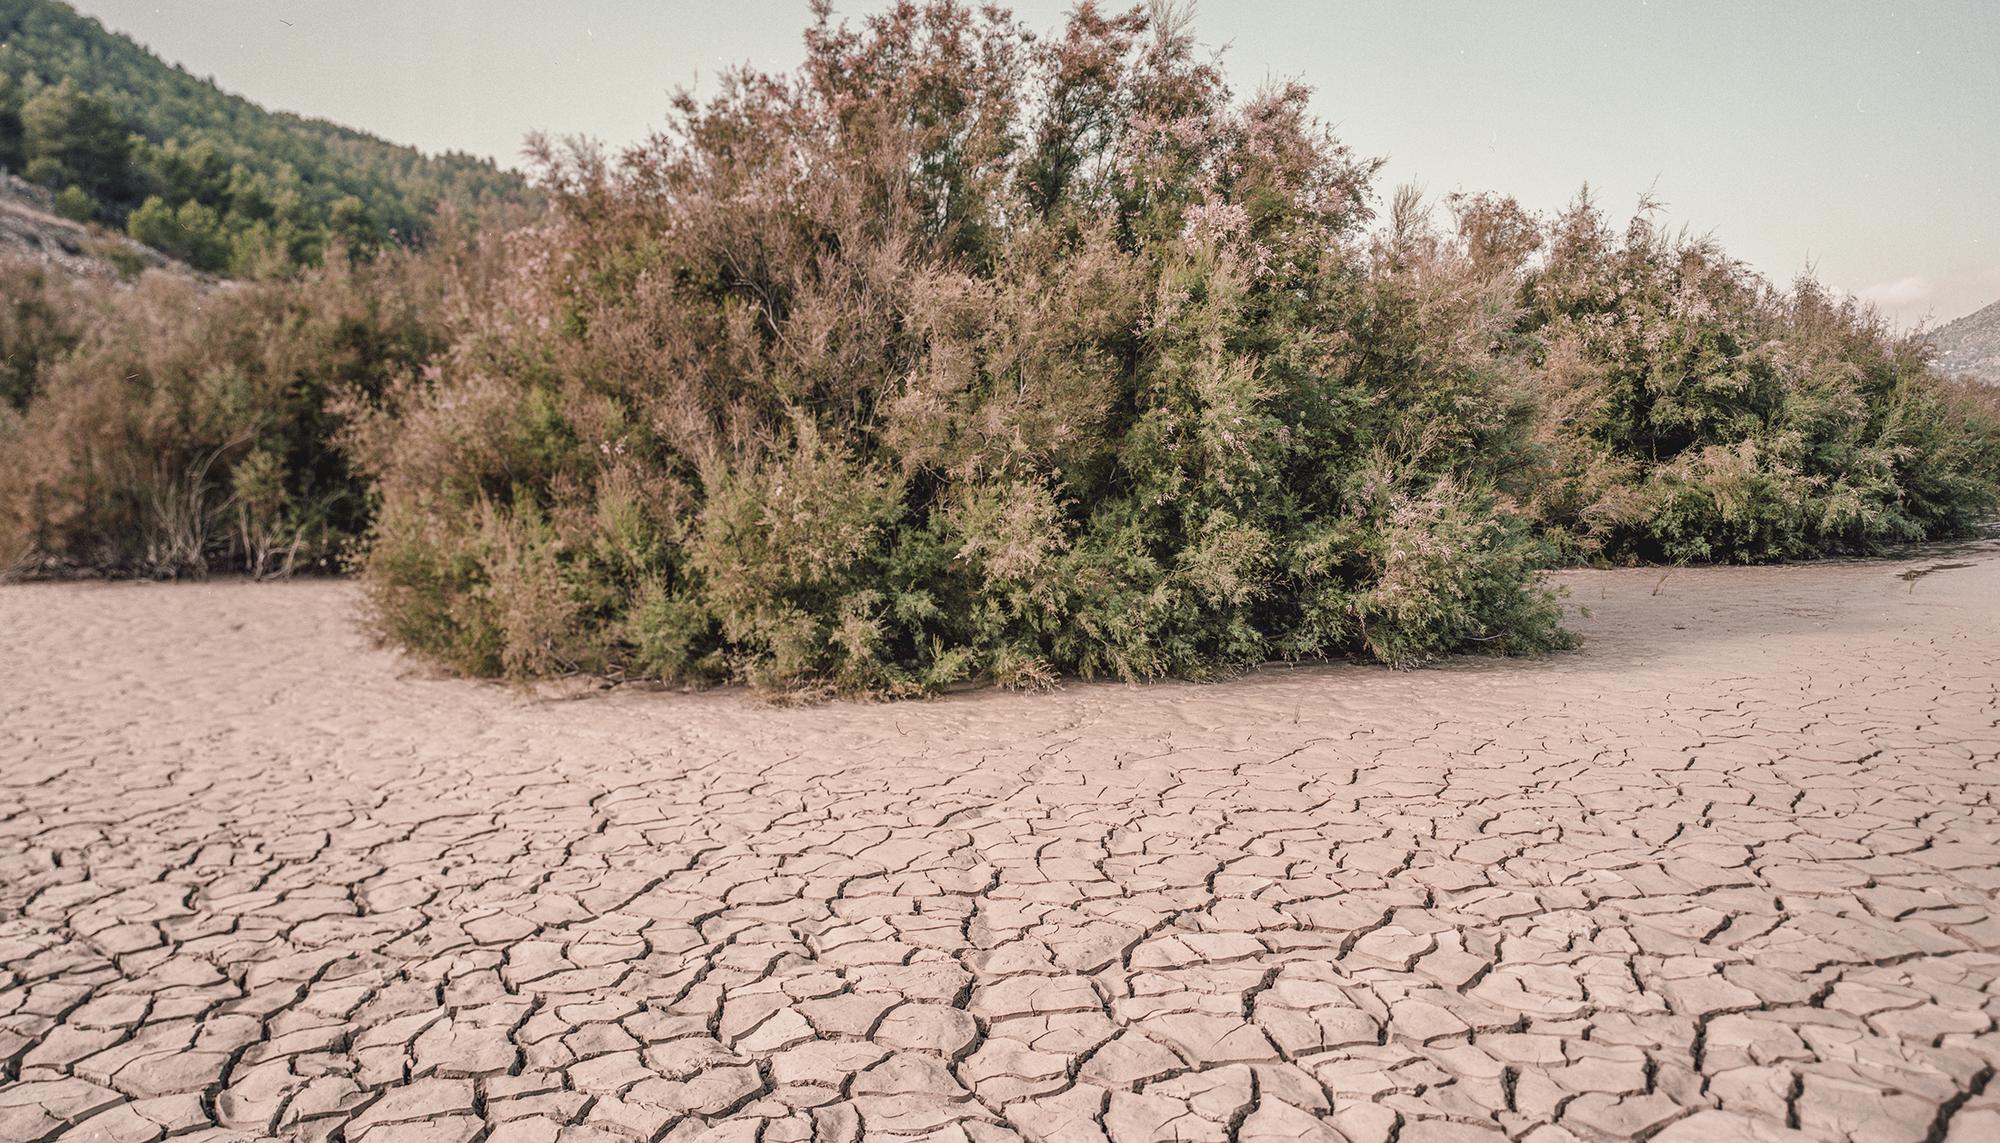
[(1726, 873)]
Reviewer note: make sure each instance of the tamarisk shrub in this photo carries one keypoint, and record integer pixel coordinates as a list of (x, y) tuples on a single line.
[(958, 354), (1687, 410), (174, 426)]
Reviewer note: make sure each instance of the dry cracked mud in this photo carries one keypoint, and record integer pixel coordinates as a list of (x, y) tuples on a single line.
[(1727, 873)]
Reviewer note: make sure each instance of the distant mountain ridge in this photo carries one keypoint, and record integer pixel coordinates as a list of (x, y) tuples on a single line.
[(1970, 346), (125, 139)]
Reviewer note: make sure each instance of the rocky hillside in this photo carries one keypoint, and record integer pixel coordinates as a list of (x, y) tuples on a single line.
[(29, 228), (1970, 346)]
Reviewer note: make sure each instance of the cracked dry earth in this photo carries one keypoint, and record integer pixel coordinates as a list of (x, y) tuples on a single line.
[(1728, 873)]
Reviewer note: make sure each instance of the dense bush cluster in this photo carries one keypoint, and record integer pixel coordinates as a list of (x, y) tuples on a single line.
[(965, 354), (1688, 411), (208, 177), (171, 426), (956, 355)]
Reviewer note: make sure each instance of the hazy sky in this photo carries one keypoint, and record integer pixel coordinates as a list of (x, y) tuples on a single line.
[(1860, 138)]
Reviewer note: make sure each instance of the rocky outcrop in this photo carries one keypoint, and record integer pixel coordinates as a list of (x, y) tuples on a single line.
[(1970, 346), (28, 227)]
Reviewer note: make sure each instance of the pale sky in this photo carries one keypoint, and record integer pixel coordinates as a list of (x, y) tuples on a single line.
[(1862, 139)]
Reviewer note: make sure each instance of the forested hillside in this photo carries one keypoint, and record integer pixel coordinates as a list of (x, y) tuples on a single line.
[(125, 139)]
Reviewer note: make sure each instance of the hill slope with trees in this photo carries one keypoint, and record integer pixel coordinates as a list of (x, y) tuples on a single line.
[(126, 139)]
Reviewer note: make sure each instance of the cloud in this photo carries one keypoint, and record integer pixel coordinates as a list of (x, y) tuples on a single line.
[(1900, 294)]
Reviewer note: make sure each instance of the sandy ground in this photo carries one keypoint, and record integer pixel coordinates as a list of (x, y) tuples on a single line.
[(1728, 873)]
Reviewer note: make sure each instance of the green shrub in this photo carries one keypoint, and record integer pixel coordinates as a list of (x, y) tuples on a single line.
[(1691, 412), (171, 427), (959, 355), (43, 316), (75, 204)]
